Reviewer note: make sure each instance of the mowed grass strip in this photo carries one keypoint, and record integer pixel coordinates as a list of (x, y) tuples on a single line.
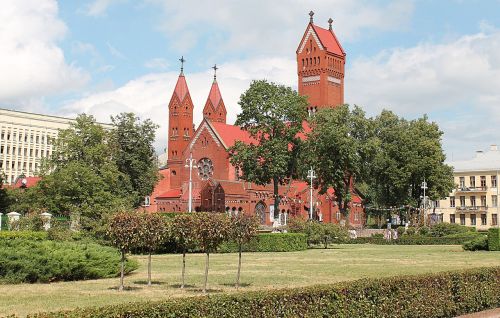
[(259, 271)]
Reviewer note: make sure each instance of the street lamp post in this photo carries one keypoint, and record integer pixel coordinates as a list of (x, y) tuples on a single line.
[(424, 187), (311, 177), (191, 164)]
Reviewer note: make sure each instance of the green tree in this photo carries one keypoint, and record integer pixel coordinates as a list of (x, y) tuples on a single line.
[(124, 231), (332, 150), (182, 230), (242, 229), (153, 232), (4, 197), (333, 233), (273, 115), (134, 154), (211, 229)]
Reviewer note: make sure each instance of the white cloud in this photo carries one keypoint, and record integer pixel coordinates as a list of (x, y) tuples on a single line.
[(149, 95), (98, 8), (157, 63), (32, 65), (115, 52), (271, 26)]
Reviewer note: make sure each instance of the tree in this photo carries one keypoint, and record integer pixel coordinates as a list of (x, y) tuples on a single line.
[(153, 232), (4, 197), (242, 229), (273, 115), (333, 152), (332, 233), (182, 230), (134, 154), (211, 229), (124, 230)]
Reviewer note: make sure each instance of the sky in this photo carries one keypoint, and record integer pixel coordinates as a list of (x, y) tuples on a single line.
[(103, 57)]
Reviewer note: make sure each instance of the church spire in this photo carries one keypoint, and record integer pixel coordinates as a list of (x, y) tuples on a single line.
[(214, 109), (182, 60)]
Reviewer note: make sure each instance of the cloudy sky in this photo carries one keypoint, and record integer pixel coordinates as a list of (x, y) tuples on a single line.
[(102, 57)]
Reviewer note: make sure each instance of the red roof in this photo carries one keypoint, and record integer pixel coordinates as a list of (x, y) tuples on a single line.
[(329, 40), (174, 193), (28, 182), (230, 134), (214, 96), (195, 193), (181, 88)]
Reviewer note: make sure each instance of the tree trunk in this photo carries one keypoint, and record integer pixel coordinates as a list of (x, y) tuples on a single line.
[(122, 271), (207, 260), (326, 243), (276, 196), (183, 266), (239, 267), (149, 269)]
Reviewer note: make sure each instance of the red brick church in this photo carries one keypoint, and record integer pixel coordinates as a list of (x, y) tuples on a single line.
[(215, 182)]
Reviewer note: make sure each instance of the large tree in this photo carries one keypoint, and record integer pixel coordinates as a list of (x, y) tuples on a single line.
[(273, 115)]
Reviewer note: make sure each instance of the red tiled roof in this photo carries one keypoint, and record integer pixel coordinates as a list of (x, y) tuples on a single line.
[(230, 134), (174, 193), (196, 194), (30, 181), (214, 96), (181, 88), (233, 187), (329, 40)]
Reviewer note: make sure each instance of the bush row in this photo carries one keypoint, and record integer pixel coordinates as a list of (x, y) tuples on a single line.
[(269, 242), (494, 239), (455, 239), (27, 235), (30, 261), (432, 295)]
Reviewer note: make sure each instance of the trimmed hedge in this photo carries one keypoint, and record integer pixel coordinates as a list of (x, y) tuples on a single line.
[(26, 235), (31, 261), (454, 239), (270, 242), (494, 239), (447, 294)]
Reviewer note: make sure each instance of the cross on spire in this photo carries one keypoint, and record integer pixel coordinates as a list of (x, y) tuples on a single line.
[(215, 68), (182, 64), (330, 21), (311, 14)]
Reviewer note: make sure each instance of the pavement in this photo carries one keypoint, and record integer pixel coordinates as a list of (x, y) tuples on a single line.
[(492, 313)]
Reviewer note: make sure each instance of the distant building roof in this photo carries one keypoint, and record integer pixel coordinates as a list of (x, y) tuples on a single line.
[(484, 160), (26, 182)]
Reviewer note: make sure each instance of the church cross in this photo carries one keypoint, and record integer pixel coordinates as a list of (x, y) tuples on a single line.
[(311, 14), (215, 68), (182, 64)]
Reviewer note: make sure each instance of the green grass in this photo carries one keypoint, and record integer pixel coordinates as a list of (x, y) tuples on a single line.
[(260, 271)]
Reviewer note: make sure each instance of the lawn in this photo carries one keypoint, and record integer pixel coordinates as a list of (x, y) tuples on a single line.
[(260, 271)]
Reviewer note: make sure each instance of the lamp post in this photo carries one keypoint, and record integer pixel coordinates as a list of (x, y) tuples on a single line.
[(424, 187), (191, 164), (311, 177)]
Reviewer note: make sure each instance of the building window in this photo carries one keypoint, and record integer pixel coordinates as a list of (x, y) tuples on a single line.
[(452, 202), (462, 219), (473, 200), (493, 181), (472, 181), (483, 219), (472, 219), (338, 216), (462, 201), (494, 202), (494, 219), (436, 204), (483, 201), (452, 218), (147, 201), (483, 181)]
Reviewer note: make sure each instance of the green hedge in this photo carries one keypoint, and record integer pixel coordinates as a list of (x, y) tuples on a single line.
[(30, 261), (447, 294), (270, 242), (454, 239), (494, 239), (27, 235)]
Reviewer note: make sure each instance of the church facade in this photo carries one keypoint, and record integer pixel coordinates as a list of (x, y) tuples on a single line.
[(216, 185)]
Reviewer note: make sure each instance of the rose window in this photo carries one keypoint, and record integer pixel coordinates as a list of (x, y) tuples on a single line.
[(205, 168)]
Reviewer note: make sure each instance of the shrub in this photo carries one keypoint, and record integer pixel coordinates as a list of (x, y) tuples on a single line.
[(377, 236), (494, 239), (269, 242), (424, 230), (401, 230), (478, 244), (454, 239), (27, 235), (446, 294), (443, 229), (411, 231), (31, 261)]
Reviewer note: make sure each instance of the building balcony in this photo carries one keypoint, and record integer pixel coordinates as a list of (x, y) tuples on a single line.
[(472, 189), (472, 208)]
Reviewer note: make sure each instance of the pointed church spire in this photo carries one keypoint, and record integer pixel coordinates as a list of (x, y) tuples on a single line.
[(214, 109), (311, 14)]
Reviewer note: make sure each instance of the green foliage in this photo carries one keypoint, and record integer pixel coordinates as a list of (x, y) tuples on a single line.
[(452, 239), (400, 230), (269, 242), (124, 231), (182, 231), (411, 231), (447, 294), (26, 235), (424, 230), (210, 230), (243, 228), (273, 115), (494, 239), (478, 244), (443, 229), (4, 198), (318, 233), (30, 261), (30, 222)]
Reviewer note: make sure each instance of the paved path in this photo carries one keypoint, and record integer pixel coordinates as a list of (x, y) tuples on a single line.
[(492, 313)]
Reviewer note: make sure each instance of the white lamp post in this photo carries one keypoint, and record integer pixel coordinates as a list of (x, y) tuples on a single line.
[(424, 187), (191, 164), (311, 177)]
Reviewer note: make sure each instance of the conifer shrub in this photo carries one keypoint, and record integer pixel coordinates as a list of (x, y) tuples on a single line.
[(445, 294), (269, 242), (26, 235), (494, 239), (478, 244)]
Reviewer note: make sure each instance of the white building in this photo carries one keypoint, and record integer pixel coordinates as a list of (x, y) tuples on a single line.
[(26, 138), (474, 201)]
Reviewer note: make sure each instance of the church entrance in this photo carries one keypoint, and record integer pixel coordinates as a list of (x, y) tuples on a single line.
[(260, 212)]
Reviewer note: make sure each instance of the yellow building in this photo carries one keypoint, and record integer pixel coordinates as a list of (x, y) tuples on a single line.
[(474, 201), (26, 138)]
